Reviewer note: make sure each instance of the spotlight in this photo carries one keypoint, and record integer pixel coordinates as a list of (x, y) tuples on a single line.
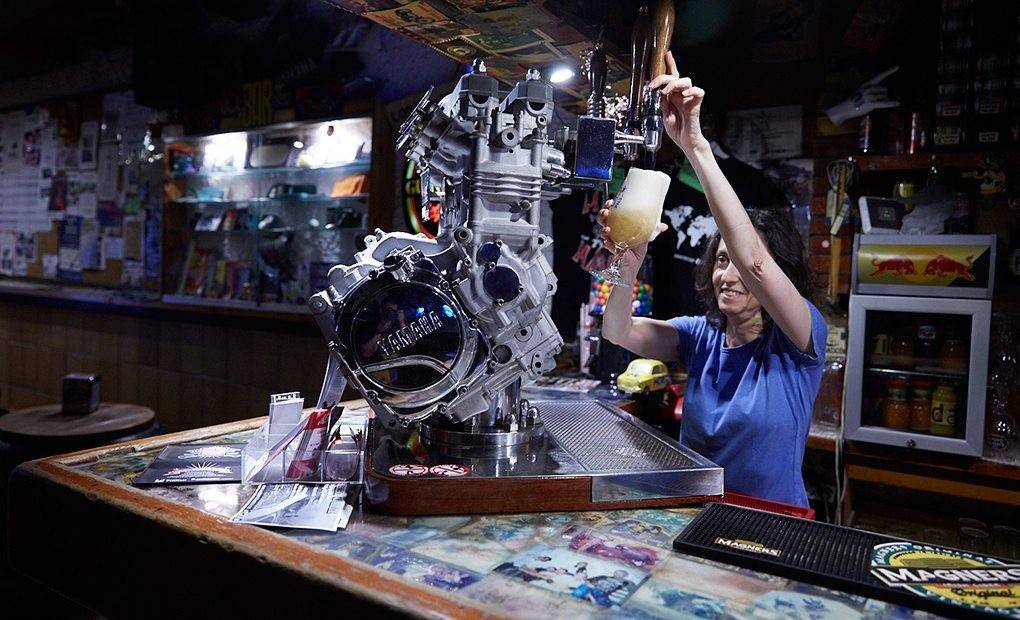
[(561, 74)]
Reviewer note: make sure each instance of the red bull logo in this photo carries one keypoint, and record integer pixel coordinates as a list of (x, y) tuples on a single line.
[(942, 266), (925, 264), (898, 265)]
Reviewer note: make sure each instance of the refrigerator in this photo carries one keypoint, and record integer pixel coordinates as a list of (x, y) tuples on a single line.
[(917, 355)]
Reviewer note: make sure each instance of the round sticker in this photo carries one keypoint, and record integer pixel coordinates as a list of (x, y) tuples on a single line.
[(449, 470), (409, 469), (966, 579)]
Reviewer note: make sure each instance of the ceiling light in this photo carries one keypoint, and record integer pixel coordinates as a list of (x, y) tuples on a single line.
[(561, 74)]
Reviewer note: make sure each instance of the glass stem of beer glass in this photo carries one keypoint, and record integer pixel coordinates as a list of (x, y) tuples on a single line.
[(612, 273)]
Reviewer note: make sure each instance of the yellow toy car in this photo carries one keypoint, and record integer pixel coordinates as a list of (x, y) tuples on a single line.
[(643, 376)]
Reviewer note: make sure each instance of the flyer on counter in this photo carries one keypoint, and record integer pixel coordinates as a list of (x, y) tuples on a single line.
[(194, 464), (303, 506)]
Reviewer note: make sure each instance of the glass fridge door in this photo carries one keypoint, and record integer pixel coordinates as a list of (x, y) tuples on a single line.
[(916, 371)]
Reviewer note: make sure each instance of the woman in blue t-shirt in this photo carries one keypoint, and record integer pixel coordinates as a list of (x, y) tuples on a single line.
[(754, 360)]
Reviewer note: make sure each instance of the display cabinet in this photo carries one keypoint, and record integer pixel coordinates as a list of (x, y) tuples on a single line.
[(264, 214), (917, 358)]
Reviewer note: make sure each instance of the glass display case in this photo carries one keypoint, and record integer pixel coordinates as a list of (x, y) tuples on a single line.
[(265, 213), (917, 357)]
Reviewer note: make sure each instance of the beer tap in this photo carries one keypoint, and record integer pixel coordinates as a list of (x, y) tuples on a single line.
[(643, 125), (641, 40), (651, 119), (597, 68), (644, 118)]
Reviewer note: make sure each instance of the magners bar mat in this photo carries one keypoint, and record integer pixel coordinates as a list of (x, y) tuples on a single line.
[(938, 579)]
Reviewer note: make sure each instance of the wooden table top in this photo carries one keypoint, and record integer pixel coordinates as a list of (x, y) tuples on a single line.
[(110, 420), (470, 566)]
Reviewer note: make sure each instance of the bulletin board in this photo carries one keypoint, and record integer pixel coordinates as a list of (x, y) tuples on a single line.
[(81, 194)]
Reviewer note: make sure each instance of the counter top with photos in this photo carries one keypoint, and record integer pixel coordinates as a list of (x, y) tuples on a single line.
[(78, 526)]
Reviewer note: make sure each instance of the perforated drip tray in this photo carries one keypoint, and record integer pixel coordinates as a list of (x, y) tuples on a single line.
[(945, 581), (625, 458), (602, 440)]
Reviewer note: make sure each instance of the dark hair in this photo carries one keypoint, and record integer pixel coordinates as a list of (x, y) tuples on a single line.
[(784, 243)]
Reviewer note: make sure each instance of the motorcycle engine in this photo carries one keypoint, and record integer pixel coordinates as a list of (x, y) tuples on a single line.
[(445, 329)]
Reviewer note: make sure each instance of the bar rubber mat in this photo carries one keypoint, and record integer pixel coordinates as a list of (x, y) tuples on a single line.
[(937, 579)]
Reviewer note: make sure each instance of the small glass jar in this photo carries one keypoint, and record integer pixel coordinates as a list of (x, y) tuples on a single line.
[(926, 347), (895, 409), (901, 352), (954, 355), (878, 352), (920, 407)]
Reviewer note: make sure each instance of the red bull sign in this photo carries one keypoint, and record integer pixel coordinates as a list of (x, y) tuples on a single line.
[(935, 265)]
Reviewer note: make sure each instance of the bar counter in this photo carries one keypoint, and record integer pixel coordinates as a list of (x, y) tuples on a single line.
[(79, 527)]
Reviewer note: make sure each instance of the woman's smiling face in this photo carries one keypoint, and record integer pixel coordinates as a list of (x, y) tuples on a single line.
[(731, 295)]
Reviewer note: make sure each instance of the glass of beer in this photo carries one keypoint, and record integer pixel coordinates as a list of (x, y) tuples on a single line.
[(634, 216)]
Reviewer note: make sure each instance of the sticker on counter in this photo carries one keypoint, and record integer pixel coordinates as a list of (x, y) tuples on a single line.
[(969, 580), (449, 470), (409, 469)]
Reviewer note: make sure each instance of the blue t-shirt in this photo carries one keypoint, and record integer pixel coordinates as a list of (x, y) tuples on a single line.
[(748, 408)]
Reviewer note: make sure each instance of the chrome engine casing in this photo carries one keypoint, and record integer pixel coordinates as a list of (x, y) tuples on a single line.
[(447, 328)]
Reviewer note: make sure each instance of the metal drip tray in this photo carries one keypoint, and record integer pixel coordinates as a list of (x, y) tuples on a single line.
[(603, 441), (625, 459)]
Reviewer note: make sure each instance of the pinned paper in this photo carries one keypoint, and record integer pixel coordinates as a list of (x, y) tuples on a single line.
[(50, 263), (113, 248)]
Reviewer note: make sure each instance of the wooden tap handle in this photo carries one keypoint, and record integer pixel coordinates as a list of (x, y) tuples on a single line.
[(597, 68), (665, 19), (640, 46)]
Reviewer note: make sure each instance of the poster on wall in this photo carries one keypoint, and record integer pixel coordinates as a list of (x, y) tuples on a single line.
[(7, 253), (26, 246), (82, 194), (107, 170), (50, 264), (110, 216), (124, 121), (88, 143), (68, 266), (765, 133), (131, 273), (57, 202), (133, 237), (24, 253), (90, 246), (153, 248), (27, 155)]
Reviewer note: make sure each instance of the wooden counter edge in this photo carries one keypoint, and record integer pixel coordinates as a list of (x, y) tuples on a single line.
[(371, 588)]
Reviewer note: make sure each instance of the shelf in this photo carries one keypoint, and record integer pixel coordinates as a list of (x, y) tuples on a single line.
[(940, 374), (363, 164), (907, 431), (194, 300), (266, 200), (922, 161), (139, 301), (295, 229), (275, 306), (269, 306)]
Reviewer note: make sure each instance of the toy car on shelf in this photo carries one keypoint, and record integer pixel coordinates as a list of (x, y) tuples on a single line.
[(643, 376)]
